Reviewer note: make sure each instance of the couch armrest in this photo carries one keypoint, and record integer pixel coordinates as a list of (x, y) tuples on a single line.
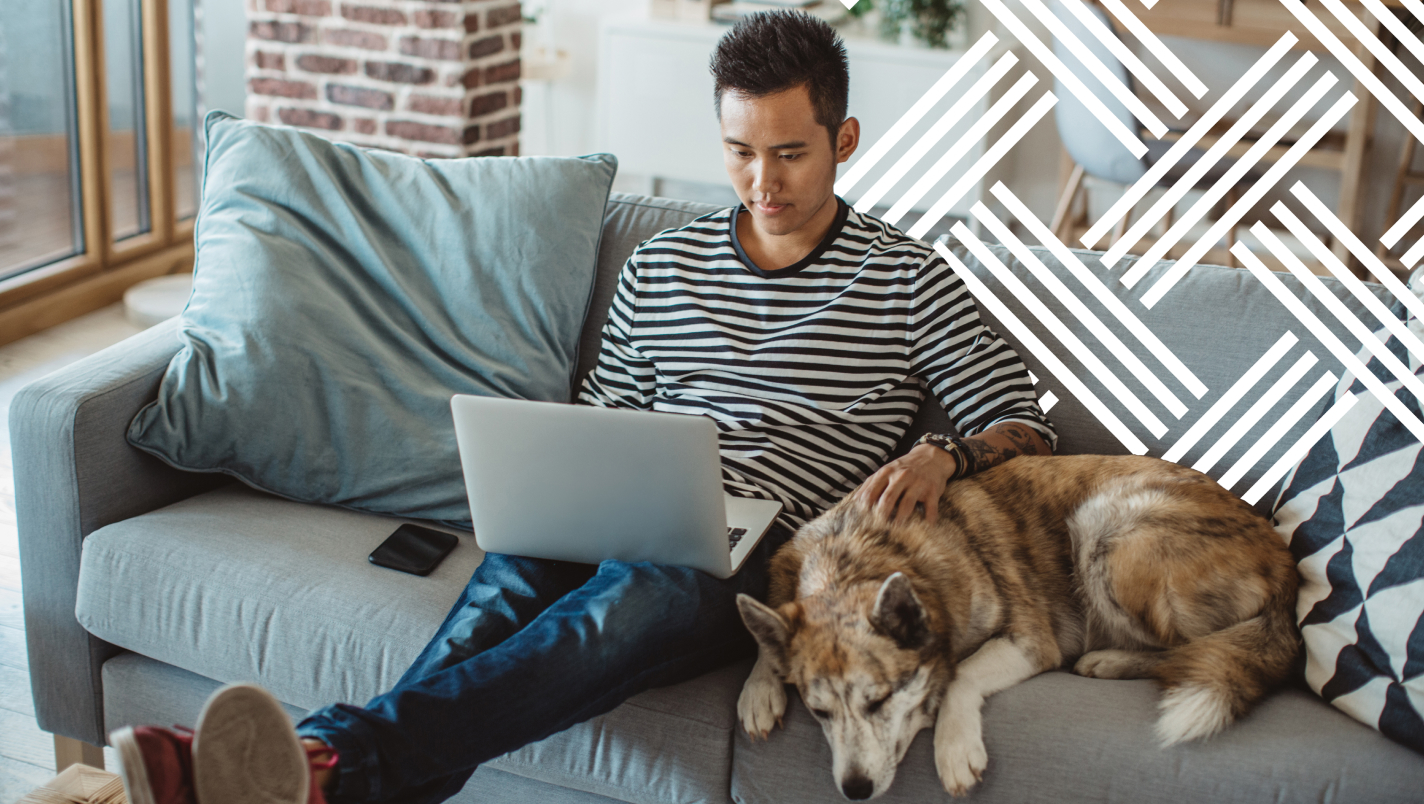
[(74, 474)]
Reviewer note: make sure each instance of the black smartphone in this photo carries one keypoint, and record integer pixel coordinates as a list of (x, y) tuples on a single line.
[(414, 549)]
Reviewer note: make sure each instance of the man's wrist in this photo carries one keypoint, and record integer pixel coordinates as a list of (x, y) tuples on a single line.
[(963, 459)]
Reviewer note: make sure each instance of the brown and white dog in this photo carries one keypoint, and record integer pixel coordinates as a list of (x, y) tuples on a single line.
[(1132, 566)]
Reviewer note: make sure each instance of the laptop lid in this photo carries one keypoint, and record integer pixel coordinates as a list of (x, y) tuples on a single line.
[(585, 484)]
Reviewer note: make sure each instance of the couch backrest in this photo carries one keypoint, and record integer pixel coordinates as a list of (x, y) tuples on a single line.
[(1217, 321)]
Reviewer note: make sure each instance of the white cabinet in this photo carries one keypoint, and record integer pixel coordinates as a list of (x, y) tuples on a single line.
[(655, 105)]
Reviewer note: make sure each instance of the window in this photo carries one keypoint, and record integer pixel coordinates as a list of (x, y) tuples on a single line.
[(98, 184)]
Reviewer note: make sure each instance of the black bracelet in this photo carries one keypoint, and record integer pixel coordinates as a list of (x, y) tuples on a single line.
[(964, 461)]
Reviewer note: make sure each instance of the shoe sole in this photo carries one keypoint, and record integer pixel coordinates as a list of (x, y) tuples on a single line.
[(246, 752), (131, 767)]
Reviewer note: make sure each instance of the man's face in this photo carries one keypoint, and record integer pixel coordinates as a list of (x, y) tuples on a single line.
[(779, 159)]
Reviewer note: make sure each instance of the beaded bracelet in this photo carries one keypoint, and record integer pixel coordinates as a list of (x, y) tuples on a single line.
[(964, 462)]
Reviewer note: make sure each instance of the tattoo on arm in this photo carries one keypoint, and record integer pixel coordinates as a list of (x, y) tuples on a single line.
[(987, 453)]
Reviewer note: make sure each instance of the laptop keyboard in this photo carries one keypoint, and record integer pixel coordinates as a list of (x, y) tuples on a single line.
[(734, 535)]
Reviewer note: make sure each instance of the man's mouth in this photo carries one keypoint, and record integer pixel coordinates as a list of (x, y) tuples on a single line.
[(769, 209)]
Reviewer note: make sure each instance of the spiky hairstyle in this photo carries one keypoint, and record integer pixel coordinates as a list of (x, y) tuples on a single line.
[(773, 51)]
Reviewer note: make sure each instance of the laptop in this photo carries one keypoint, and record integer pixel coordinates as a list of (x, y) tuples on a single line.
[(585, 484)]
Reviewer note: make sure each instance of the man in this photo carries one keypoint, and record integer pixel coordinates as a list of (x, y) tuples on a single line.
[(803, 329)]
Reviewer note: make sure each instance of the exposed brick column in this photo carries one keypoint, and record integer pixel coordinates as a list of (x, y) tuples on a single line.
[(425, 77)]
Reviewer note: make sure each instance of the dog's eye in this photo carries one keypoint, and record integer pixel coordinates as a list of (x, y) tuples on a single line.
[(874, 706), (820, 714)]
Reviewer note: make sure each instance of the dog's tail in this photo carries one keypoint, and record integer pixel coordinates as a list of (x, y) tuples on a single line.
[(1211, 681)]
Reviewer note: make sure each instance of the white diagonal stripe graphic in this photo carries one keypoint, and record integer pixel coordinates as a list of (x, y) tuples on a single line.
[(1348, 279), (1228, 180), (930, 138), (1194, 172), (1342, 233), (1248, 199), (921, 107), (1228, 400), (1413, 255), (981, 167), (1060, 71), (1047, 401), (1076, 347), (1406, 222), (1043, 353), (1401, 32), (1080, 311), (1099, 70), (1155, 47), (1100, 291), (1323, 334), (1338, 309), (1122, 53), (1193, 135), (977, 130), (1278, 430), (1253, 414), (1363, 74), (1401, 73), (1297, 452)]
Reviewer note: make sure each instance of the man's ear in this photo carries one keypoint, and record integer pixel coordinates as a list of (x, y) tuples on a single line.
[(899, 615), (847, 139), (771, 630)]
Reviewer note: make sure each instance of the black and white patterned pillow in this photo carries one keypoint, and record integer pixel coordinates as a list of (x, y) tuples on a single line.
[(1353, 514)]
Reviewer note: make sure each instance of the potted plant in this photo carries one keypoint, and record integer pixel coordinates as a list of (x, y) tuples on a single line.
[(929, 21)]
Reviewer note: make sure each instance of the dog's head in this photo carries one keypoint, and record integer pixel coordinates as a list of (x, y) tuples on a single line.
[(865, 662)]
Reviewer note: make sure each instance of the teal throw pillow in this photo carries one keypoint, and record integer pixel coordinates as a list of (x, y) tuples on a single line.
[(342, 295)]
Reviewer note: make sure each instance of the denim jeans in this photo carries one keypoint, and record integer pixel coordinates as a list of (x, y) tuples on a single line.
[(531, 648)]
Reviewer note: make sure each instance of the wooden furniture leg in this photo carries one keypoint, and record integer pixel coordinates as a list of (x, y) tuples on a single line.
[(1357, 138), (69, 751), (1062, 215), (1403, 177)]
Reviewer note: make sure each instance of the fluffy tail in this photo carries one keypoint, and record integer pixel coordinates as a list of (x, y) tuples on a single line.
[(1210, 682)]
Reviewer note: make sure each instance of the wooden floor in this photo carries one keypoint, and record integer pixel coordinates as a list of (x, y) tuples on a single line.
[(26, 753)]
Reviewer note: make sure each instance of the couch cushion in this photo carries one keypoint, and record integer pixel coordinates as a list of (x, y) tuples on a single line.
[(342, 295), (1351, 512), (1059, 737), (236, 585)]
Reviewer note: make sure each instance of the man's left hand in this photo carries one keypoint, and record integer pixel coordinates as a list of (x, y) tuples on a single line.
[(918, 477)]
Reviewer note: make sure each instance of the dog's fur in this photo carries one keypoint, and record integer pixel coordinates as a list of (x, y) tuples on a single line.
[(1132, 566)]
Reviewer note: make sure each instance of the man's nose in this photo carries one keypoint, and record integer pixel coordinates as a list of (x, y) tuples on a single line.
[(766, 178)]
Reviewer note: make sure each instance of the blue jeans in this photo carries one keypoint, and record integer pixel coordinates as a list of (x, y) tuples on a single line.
[(531, 648)]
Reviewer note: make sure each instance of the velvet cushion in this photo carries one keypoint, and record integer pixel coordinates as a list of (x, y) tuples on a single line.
[(341, 296)]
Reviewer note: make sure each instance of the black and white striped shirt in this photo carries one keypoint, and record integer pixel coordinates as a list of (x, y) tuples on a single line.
[(812, 372)]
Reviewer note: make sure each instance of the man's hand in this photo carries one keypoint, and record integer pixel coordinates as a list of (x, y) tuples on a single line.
[(920, 477)]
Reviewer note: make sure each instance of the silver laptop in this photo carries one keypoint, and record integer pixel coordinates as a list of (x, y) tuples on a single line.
[(586, 484)]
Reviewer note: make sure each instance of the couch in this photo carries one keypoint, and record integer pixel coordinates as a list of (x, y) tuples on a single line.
[(145, 588)]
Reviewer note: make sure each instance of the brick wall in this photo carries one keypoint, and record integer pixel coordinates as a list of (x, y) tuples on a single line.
[(425, 77)]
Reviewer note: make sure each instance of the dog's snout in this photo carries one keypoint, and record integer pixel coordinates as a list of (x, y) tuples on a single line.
[(857, 787)]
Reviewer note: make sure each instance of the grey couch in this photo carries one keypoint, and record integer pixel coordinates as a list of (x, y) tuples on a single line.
[(146, 587)]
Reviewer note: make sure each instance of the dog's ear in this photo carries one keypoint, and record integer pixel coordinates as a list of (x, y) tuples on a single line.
[(898, 613), (771, 630)]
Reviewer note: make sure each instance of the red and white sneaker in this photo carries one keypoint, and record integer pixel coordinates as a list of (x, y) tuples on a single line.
[(246, 752), (156, 764)]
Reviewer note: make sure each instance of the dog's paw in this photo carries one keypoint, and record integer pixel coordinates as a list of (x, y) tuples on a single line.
[(761, 705), (1113, 664), (961, 763)]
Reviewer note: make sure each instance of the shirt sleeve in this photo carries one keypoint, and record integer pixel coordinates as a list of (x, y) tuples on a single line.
[(623, 378), (974, 373)]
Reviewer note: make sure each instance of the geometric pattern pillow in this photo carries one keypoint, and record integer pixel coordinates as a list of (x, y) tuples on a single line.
[(1353, 515)]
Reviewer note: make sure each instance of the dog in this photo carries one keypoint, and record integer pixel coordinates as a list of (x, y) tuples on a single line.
[(1122, 566)]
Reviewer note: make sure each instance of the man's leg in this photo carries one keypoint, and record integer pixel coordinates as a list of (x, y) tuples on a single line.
[(631, 627)]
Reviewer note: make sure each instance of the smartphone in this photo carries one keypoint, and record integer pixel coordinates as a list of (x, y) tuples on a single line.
[(414, 549)]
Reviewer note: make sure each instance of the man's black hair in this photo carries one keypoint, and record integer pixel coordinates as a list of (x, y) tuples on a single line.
[(773, 51)]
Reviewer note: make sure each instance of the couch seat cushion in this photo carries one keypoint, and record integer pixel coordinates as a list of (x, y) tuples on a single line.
[(237, 585), (1060, 738)]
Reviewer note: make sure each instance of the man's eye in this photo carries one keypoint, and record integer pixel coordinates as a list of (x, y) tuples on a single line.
[(789, 157)]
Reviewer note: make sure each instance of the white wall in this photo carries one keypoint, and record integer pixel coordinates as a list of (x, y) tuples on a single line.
[(223, 31)]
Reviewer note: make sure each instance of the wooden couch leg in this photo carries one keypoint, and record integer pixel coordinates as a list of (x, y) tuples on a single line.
[(69, 751)]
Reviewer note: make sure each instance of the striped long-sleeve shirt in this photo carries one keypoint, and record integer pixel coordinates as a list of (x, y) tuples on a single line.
[(812, 373)]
